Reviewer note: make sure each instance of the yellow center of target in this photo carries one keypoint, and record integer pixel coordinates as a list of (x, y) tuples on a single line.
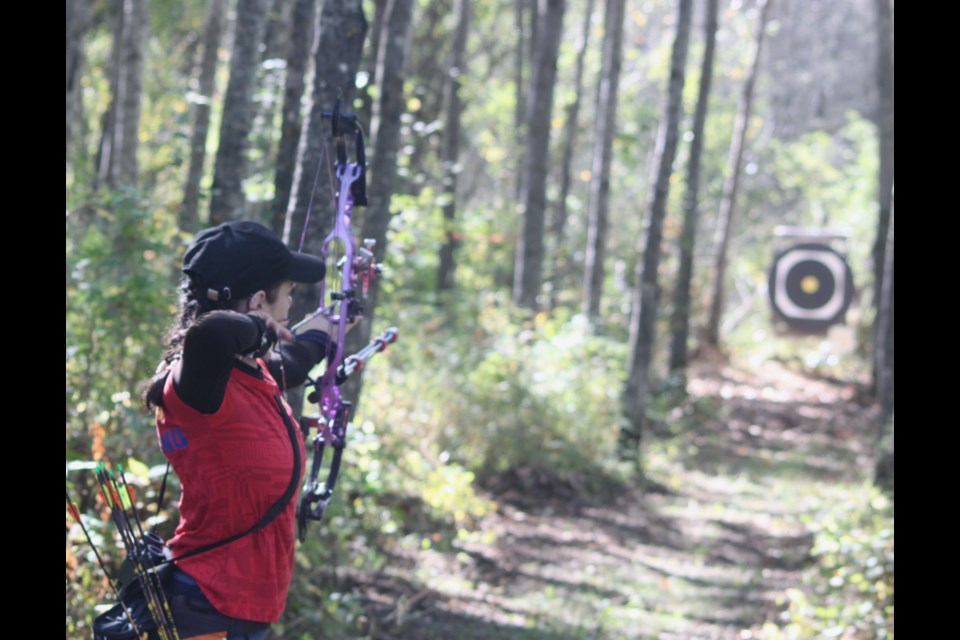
[(810, 284)]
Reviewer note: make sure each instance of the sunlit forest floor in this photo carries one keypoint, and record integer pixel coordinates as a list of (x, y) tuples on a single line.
[(718, 543)]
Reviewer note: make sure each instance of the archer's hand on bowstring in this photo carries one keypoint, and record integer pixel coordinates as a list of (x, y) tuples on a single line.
[(280, 331)]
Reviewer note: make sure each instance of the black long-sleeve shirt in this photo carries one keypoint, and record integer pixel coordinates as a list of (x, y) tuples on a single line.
[(209, 351)]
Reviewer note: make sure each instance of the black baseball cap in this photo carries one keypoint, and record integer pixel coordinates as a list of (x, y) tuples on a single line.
[(235, 259)]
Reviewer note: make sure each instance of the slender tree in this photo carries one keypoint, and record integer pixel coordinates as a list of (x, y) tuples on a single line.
[(450, 150), (428, 68), (228, 201), (212, 35), (885, 125), (386, 142), (369, 61), (528, 270), (78, 17), (391, 58), (728, 204), (277, 30), (680, 320), (602, 151), (338, 45), (884, 345), (884, 358), (570, 127), (646, 293), (298, 55), (117, 157), (520, 87), (339, 34)]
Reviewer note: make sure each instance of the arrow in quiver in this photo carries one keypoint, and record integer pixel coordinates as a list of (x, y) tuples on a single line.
[(811, 287)]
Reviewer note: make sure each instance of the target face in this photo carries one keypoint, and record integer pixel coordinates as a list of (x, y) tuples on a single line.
[(811, 287)]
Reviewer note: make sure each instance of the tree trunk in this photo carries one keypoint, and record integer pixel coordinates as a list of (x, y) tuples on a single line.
[(277, 31), (528, 270), (269, 101), (600, 167), (646, 293), (386, 112), (428, 64), (884, 359), (728, 204), (78, 13), (227, 201), (520, 104), (298, 56), (338, 45), (885, 121), (365, 111), (383, 167), (450, 151), (884, 345), (560, 256), (117, 158), (212, 35), (680, 322)]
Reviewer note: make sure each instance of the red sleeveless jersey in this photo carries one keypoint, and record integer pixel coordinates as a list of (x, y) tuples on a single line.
[(233, 465)]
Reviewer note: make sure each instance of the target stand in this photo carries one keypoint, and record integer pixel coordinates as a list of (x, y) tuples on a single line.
[(811, 284)]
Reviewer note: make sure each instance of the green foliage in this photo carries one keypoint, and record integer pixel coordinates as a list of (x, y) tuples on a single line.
[(502, 392), (119, 304), (849, 593)]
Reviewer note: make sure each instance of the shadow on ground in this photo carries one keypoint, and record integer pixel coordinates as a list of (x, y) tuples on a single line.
[(707, 555)]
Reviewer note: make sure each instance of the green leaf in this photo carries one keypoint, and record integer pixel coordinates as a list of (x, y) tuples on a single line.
[(138, 468)]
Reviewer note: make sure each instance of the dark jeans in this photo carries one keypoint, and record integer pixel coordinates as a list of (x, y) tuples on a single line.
[(194, 615)]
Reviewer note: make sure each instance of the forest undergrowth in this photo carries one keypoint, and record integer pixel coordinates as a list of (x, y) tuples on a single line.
[(757, 518)]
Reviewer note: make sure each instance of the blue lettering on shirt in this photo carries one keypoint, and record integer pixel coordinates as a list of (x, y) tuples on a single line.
[(173, 439)]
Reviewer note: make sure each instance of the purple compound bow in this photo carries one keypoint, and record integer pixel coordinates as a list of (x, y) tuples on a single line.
[(356, 268)]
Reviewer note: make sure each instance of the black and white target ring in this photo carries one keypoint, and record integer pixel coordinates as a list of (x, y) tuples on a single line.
[(811, 287)]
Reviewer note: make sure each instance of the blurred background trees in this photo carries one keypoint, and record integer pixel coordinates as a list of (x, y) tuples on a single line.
[(530, 166)]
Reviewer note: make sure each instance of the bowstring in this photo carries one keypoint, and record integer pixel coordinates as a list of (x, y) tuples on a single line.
[(324, 155)]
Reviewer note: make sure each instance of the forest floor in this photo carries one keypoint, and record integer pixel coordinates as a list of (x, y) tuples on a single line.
[(708, 548)]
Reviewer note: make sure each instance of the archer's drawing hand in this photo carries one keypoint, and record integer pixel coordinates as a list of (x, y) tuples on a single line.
[(278, 329)]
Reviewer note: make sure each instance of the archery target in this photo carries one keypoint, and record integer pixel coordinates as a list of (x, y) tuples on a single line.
[(811, 287)]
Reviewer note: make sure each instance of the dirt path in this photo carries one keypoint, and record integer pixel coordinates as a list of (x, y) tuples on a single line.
[(706, 552)]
